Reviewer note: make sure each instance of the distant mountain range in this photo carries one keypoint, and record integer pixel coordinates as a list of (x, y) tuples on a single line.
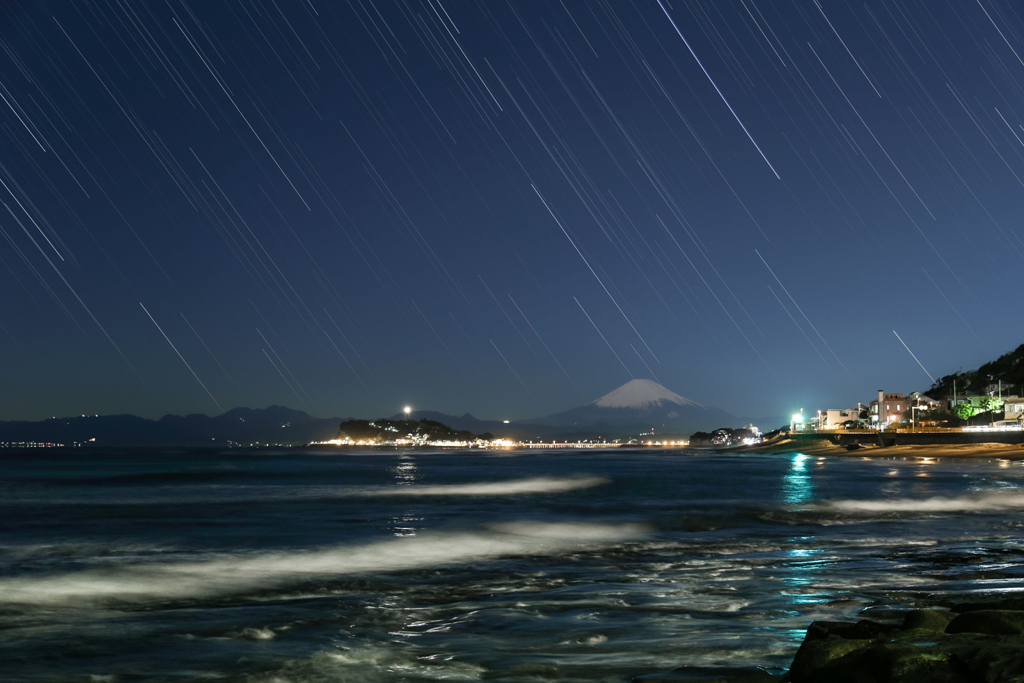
[(636, 407), (276, 424)]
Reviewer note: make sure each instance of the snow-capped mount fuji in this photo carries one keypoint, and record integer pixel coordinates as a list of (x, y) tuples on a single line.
[(641, 394), (639, 405)]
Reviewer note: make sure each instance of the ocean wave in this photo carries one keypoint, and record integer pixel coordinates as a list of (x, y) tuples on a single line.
[(241, 574), (991, 501), (851, 511), (200, 493), (513, 487)]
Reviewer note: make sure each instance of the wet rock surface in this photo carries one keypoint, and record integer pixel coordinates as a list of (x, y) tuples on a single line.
[(937, 646), (977, 642)]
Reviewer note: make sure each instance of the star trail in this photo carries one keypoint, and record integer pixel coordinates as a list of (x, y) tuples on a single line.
[(332, 205)]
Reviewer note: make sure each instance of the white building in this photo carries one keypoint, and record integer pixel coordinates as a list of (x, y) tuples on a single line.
[(837, 419)]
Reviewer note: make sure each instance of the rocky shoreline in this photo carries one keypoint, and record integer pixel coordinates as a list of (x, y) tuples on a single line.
[(962, 641)]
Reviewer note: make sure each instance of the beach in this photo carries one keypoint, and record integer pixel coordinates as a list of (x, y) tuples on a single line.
[(824, 447)]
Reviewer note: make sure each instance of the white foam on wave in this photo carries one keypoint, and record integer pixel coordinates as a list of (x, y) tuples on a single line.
[(514, 487), (371, 663), (978, 502), (257, 493), (257, 634), (239, 574)]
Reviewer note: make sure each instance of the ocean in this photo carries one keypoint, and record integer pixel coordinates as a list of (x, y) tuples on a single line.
[(308, 565)]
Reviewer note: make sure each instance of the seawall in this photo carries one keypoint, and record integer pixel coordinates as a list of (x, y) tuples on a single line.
[(885, 439)]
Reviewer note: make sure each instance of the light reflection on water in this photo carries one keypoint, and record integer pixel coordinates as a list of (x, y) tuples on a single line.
[(405, 473), (797, 484), (802, 561), (892, 485), (804, 564), (704, 582)]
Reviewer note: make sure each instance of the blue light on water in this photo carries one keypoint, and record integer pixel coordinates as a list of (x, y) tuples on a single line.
[(797, 485), (803, 563)]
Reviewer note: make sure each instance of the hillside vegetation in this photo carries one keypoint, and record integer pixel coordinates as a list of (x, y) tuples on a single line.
[(1008, 368), (389, 430)]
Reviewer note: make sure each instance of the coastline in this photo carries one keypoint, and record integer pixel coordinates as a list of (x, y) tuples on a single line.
[(950, 640), (945, 640), (825, 447)]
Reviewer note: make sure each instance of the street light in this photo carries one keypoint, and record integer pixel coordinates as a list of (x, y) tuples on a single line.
[(407, 410)]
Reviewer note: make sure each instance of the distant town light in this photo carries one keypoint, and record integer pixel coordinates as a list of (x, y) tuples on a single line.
[(505, 421)]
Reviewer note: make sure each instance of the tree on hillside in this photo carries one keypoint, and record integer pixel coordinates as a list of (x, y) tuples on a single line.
[(1008, 369), (963, 411), (989, 403), (943, 387)]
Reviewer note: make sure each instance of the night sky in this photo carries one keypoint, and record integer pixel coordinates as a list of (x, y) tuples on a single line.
[(503, 208)]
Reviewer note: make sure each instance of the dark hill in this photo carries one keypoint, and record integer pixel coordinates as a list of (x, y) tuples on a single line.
[(276, 424), (500, 429), (1008, 369), (273, 425), (390, 430)]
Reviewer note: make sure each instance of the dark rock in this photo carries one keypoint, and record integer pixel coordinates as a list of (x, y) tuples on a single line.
[(817, 654), (998, 660), (927, 620), (933, 646), (861, 630), (889, 662), (1008, 603), (990, 622), (828, 641), (965, 645)]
